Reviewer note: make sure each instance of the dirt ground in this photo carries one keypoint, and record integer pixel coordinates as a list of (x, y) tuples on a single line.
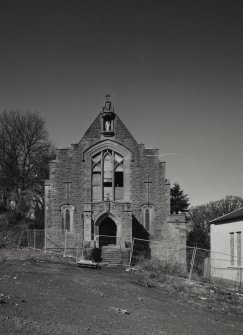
[(43, 295)]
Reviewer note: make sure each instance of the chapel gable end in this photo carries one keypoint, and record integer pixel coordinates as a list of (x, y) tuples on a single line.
[(107, 125)]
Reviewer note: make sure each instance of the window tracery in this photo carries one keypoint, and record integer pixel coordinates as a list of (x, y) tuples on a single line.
[(107, 175)]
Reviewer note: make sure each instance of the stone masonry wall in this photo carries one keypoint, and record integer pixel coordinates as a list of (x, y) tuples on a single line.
[(74, 165)]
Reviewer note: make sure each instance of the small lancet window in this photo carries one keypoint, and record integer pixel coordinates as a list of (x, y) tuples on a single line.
[(63, 222), (147, 219), (67, 220), (67, 213)]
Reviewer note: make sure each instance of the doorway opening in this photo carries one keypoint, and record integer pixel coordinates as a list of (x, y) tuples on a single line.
[(107, 232)]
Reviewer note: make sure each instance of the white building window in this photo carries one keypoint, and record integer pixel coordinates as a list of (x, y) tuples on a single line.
[(232, 249), (238, 234)]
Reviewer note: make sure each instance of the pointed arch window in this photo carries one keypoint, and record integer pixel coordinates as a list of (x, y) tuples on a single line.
[(107, 176), (67, 213), (147, 219), (67, 220)]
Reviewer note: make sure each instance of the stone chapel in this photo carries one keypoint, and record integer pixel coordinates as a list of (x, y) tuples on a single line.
[(108, 189)]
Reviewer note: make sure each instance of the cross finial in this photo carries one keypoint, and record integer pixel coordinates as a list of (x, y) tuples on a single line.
[(107, 97)]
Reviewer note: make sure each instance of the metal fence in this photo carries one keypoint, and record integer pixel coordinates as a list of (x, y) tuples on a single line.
[(190, 263), (36, 238), (71, 245), (62, 242)]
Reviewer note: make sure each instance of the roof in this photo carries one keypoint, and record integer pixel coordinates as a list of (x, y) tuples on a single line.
[(232, 216)]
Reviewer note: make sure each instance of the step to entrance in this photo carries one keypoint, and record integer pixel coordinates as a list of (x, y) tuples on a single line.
[(111, 255)]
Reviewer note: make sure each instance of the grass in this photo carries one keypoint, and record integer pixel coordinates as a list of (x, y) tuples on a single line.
[(173, 277), (159, 272), (156, 268)]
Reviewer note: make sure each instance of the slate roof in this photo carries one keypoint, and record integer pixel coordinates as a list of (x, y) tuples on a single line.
[(233, 216)]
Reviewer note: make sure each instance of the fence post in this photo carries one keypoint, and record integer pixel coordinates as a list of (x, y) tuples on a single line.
[(131, 252), (192, 263), (34, 238), (45, 242), (77, 249), (65, 244), (211, 258)]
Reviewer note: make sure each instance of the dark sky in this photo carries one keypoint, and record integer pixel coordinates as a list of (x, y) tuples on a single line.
[(174, 70)]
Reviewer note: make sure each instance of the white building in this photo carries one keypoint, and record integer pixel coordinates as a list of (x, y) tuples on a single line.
[(226, 246)]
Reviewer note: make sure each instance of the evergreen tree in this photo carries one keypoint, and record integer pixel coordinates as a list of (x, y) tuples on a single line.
[(179, 202)]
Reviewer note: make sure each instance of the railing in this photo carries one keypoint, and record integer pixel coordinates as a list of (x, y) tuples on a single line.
[(191, 263)]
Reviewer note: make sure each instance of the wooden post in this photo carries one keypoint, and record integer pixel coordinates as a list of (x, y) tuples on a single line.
[(45, 242), (34, 238)]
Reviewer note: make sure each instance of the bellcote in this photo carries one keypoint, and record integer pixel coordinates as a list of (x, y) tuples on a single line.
[(107, 118)]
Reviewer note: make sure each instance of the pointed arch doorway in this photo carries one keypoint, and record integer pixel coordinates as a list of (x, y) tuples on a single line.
[(107, 232)]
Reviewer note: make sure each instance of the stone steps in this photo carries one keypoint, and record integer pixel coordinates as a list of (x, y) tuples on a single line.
[(111, 255)]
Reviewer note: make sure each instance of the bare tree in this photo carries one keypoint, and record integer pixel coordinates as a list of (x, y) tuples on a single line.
[(24, 156)]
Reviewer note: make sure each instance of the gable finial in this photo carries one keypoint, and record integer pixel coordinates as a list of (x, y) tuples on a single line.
[(108, 97)]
